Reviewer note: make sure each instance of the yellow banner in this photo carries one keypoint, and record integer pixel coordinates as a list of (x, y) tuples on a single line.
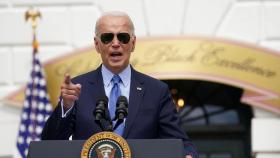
[(255, 69)]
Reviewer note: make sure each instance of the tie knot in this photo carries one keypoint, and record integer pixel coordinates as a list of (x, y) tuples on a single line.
[(116, 79)]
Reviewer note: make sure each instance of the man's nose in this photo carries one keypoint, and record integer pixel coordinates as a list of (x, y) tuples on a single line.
[(115, 41)]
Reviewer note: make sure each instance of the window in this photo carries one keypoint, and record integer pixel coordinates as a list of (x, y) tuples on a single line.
[(213, 116)]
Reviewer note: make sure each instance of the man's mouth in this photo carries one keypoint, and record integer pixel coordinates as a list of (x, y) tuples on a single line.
[(115, 54)]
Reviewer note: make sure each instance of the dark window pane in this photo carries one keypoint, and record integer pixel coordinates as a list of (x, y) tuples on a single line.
[(217, 115), (226, 118), (192, 118), (221, 116)]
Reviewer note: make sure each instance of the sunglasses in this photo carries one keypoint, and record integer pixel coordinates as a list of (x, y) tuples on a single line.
[(108, 37)]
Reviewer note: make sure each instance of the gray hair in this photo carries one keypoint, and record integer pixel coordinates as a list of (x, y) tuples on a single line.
[(116, 14)]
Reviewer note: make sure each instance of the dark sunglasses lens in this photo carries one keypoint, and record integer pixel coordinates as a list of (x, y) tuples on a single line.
[(107, 37), (123, 37)]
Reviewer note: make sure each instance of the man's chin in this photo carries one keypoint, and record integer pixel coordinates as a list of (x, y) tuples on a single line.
[(116, 64), (117, 67)]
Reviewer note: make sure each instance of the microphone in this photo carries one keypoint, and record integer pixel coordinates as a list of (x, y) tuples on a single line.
[(101, 114), (121, 111), (121, 108), (100, 109)]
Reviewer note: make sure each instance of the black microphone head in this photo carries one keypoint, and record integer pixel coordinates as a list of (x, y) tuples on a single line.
[(121, 108), (123, 100), (102, 100), (100, 109)]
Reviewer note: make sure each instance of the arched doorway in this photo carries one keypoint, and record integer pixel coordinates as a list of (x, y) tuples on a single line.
[(213, 116)]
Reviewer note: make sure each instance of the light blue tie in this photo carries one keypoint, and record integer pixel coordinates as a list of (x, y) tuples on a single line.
[(115, 93)]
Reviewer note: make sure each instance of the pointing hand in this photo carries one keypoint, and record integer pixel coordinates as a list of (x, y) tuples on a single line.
[(69, 92)]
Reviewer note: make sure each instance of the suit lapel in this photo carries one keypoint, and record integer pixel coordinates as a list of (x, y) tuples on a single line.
[(96, 88), (96, 81), (135, 97)]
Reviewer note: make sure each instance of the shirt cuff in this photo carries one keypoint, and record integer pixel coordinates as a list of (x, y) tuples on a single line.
[(64, 114)]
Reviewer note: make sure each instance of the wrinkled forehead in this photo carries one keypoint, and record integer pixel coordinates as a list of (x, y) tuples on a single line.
[(114, 24)]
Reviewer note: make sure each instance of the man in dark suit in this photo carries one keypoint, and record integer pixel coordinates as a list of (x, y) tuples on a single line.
[(151, 111)]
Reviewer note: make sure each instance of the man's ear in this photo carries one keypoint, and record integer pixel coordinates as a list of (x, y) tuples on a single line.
[(96, 45), (133, 42)]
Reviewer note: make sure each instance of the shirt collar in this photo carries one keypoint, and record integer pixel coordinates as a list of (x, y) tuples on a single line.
[(107, 75)]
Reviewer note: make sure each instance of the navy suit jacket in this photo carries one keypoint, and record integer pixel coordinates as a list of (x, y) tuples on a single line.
[(151, 112)]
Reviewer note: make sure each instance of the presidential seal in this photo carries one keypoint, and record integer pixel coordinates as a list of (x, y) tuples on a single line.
[(106, 145)]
